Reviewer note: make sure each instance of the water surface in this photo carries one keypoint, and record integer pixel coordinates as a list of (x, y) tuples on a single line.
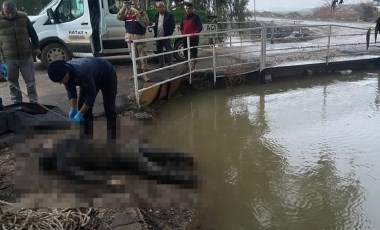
[(298, 153)]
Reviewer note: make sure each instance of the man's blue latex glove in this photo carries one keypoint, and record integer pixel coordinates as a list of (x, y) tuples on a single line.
[(77, 118), (72, 113), (4, 70)]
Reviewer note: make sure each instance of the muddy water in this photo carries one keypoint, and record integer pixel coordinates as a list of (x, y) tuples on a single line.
[(292, 154)]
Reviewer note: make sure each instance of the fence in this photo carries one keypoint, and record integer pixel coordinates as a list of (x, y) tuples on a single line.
[(253, 46)]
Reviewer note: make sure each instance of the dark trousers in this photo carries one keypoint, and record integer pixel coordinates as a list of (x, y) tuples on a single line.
[(167, 58), (194, 41), (109, 91)]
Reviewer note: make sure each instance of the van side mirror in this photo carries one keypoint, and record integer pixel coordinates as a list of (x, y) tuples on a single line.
[(51, 15)]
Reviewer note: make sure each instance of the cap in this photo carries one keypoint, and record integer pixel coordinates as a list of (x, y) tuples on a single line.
[(188, 4), (57, 70)]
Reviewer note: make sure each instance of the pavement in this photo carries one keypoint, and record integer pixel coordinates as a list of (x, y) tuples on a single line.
[(50, 93)]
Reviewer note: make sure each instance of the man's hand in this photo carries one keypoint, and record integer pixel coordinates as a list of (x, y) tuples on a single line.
[(77, 118), (72, 113), (135, 11), (37, 53), (4, 70)]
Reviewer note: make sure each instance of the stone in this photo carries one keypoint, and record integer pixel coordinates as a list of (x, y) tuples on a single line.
[(123, 219)]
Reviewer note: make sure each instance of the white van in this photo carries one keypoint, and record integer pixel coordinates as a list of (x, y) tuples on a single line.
[(77, 28)]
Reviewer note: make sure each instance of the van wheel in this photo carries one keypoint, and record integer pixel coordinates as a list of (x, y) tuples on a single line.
[(52, 52), (180, 55)]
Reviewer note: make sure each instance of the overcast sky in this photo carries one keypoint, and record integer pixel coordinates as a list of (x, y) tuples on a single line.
[(292, 4)]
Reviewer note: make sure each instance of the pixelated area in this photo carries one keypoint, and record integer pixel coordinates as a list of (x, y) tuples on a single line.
[(55, 167)]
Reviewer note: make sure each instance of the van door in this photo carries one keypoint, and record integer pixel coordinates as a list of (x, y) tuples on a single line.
[(97, 23), (74, 25), (113, 31)]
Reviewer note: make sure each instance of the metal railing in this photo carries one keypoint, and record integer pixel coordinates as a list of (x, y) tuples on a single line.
[(256, 48)]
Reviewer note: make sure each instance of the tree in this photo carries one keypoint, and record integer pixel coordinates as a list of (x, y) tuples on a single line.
[(231, 10), (31, 7)]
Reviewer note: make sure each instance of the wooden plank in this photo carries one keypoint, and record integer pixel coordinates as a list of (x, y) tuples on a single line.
[(174, 85), (148, 96), (164, 91)]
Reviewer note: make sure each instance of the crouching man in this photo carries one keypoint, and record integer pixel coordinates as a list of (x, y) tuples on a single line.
[(91, 75)]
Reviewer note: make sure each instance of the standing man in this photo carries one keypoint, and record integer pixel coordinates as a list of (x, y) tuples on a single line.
[(91, 75), (18, 44), (164, 25), (136, 21), (191, 23)]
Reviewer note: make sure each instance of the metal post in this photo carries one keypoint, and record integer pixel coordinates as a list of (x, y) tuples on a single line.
[(189, 56), (134, 68), (214, 62), (272, 32), (263, 58), (230, 28), (328, 46), (215, 9)]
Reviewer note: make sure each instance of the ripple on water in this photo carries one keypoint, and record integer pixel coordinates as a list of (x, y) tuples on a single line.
[(304, 158)]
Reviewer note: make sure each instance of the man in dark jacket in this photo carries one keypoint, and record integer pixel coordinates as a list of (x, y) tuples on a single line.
[(91, 75), (164, 25), (18, 44), (190, 24)]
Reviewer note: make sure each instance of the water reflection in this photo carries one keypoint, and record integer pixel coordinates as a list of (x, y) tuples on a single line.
[(294, 154)]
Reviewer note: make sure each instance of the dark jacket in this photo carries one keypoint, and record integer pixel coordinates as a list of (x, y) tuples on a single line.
[(169, 24), (133, 24), (88, 73), (190, 24), (15, 37)]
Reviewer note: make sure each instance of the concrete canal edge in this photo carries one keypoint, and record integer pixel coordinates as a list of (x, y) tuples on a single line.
[(204, 80)]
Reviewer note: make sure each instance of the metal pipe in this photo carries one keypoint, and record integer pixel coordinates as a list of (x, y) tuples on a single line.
[(189, 56), (214, 62), (134, 68), (263, 48), (328, 46)]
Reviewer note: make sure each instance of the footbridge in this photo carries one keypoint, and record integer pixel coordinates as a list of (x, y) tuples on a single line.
[(264, 50)]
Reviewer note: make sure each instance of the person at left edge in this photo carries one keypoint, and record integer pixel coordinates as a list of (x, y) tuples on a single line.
[(91, 75), (18, 45)]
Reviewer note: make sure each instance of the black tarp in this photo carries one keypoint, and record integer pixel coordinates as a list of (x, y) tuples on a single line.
[(18, 118)]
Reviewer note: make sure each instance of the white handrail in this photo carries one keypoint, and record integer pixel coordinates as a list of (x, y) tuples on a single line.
[(256, 47)]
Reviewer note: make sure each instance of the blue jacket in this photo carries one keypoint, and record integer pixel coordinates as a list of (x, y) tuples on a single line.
[(88, 74)]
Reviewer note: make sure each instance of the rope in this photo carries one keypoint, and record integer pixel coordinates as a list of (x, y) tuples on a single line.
[(67, 219), (31, 99)]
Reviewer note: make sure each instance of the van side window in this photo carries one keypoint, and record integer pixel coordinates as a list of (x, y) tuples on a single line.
[(69, 10), (114, 6)]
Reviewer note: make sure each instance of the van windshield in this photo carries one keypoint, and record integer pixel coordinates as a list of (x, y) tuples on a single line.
[(50, 5)]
